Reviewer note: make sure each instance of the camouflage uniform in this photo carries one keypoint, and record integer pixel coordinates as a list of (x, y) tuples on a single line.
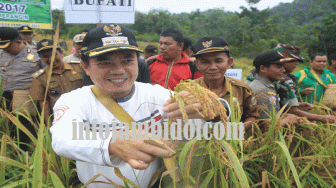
[(251, 76), (287, 90)]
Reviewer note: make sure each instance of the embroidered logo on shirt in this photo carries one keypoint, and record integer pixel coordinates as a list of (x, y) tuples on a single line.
[(59, 112)]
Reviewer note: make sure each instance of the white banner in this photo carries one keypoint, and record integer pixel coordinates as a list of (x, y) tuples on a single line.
[(234, 73), (99, 11)]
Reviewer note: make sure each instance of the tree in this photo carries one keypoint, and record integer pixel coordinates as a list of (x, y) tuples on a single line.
[(326, 36), (251, 2)]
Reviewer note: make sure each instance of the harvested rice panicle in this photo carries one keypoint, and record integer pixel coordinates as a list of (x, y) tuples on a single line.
[(208, 100)]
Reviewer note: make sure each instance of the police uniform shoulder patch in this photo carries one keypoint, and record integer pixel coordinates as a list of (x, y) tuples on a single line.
[(272, 100), (38, 73)]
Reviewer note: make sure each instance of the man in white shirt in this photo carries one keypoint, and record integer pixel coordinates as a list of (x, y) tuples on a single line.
[(109, 57)]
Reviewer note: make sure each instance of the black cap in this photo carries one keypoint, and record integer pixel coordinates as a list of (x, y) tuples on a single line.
[(8, 35), (78, 38), (108, 38), (210, 44), (25, 29), (290, 51), (45, 44), (151, 48), (268, 57)]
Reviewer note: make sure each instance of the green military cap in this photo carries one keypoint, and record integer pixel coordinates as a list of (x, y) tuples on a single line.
[(25, 29), (288, 50), (8, 35), (210, 44), (108, 38)]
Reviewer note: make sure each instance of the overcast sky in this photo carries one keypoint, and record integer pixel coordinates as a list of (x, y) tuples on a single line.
[(178, 6)]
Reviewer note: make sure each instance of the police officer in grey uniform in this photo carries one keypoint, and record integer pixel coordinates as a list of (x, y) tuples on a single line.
[(269, 68), (27, 35), (18, 62)]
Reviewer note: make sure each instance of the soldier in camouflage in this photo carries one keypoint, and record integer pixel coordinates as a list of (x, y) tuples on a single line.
[(288, 87)]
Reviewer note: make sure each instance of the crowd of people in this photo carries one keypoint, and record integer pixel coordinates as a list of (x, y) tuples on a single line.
[(106, 65)]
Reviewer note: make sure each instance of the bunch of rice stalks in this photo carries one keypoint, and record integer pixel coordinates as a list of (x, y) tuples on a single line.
[(292, 156), (208, 100), (203, 163)]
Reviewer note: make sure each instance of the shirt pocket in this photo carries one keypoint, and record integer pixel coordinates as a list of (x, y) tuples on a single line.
[(29, 64), (76, 80), (54, 89), (4, 63)]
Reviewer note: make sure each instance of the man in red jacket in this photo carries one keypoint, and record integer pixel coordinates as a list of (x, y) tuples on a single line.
[(172, 65)]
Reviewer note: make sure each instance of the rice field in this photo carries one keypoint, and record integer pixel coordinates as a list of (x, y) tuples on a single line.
[(293, 156)]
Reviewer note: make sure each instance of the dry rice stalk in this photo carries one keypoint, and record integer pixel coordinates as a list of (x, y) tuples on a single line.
[(265, 180), (274, 158), (96, 176)]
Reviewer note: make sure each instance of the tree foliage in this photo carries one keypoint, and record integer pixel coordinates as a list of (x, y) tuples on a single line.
[(309, 24)]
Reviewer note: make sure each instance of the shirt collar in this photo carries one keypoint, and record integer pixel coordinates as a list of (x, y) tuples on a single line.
[(226, 86), (127, 97), (66, 67), (185, 58), (265, 81)]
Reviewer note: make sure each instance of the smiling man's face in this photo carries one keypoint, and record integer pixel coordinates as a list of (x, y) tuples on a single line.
[(114, 73)]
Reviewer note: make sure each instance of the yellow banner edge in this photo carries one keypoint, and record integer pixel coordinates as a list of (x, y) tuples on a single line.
[(30, 24)]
